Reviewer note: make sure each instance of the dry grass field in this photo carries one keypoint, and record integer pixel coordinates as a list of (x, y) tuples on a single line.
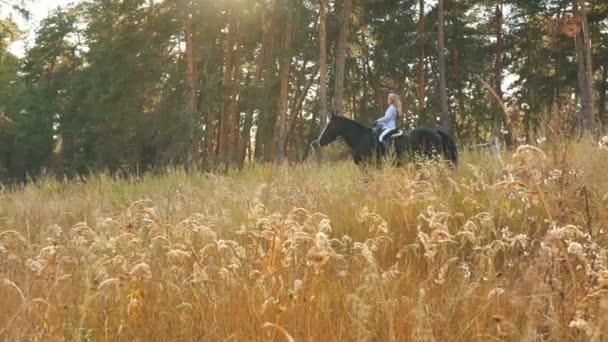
[(511, 248)]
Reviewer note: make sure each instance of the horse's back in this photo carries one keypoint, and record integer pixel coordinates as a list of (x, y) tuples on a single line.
[(424, 136), (430, 141)]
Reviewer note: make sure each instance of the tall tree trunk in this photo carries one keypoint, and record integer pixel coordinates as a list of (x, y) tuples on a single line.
[(501, 121), (584, 68), (373, 81), (285, 67), (323, 62), (590, 117), (233, 110), (458, 84), (224, 120), (496, 105), (300, 94), (265, 113), (341, 55), (422, 42), (296, 108), (446, 123), (602, 97), (191, 92), (559, 57), (245, 139), (311, 134)]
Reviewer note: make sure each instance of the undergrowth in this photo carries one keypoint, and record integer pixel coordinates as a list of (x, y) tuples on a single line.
[(510, 248)]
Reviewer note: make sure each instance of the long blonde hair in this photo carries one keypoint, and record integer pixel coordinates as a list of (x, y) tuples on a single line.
[(394, 100)]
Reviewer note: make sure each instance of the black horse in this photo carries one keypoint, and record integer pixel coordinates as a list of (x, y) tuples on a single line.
[(364, 144)]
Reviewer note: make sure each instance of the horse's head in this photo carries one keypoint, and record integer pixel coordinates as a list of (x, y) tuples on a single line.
[(332, 130)]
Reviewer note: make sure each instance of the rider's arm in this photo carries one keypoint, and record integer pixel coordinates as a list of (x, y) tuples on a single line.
[(390, 114)]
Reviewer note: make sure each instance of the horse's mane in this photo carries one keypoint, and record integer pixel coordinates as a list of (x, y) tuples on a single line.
[(353, 122)]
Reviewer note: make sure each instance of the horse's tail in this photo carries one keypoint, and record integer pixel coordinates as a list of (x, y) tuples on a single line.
[(449, 146)]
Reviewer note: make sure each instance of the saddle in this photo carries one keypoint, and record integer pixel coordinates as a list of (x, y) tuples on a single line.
[(390, 135), (387, 142)]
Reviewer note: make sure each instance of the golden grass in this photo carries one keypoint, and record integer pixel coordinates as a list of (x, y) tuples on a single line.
[(511, 249)]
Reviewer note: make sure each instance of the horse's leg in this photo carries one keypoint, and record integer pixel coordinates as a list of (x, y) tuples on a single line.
[(363, 153), (430, 149), (400, 151)]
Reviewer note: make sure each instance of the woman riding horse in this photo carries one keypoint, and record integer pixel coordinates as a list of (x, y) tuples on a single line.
[(388, 122), (364, 145)]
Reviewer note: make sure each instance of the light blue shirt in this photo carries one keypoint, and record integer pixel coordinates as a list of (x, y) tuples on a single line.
[(389, 120)]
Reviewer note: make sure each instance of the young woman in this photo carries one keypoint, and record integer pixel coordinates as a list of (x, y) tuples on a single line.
[(388, 122)]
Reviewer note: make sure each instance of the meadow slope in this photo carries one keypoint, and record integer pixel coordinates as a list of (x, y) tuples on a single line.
[(506, 248)]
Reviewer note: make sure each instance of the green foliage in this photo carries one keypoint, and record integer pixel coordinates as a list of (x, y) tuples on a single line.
[(104, 86)]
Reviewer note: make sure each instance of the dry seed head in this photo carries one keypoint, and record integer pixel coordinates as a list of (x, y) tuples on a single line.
[(121, 241), (258, 211), (529, 153), (486, 221), (206, 232), (576, 249), (466, 270), (298, 284), (495, 293), (521, 239), (322, 242), (81, 228), (569, 231), (430, 248), (116, 265), (313, 222), (185, 306), (469, 236), (141, 270), (441, 236), (603, 143), (35, 266), (53, 231), (581, 324), (324, 226), (288, 337), (389, 276), (106, 224), (439, 221), (255, 275), (12, 239), (68, 263), (537, 176), (178, 257), (470, 226), (199, 274), (159, 243), (298, 215), (108, 283), (444, 270), (98, 247), (346, 240), (110, 288), (47, 254), (268, 303)]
